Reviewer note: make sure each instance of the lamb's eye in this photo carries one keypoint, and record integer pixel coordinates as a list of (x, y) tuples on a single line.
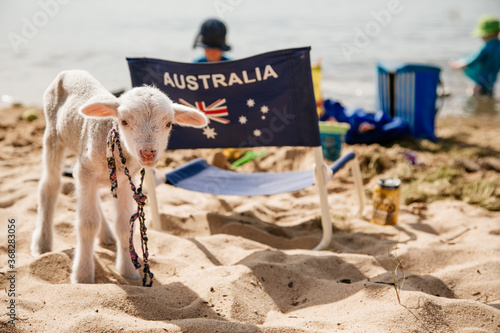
[(169, 124), (124, 122)]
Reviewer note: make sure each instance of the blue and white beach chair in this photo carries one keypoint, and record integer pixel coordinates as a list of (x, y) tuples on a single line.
[(409, 91), (265, 100)]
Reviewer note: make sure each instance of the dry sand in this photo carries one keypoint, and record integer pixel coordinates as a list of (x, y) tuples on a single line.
[(238, 264)]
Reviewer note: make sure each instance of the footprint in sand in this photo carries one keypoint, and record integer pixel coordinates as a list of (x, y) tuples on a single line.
[(10, 200)]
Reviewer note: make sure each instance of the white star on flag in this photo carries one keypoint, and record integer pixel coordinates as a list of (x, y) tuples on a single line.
[(264, 109), (257, 132), (250, 103), (243, 120), (209, 132)]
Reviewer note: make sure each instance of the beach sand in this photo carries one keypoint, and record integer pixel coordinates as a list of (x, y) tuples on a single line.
[(240, 264)]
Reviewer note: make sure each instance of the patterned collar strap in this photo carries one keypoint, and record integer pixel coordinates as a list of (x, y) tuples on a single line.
[(110, 156), (139, 197)]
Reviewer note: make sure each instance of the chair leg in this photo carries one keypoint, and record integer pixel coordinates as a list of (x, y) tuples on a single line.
[(326, 221), (358, 182), (153, 202)]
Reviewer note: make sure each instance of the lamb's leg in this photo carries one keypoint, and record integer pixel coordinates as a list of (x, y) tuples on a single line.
[(124, 210), (106, 236), (87, 225), (48, 190)]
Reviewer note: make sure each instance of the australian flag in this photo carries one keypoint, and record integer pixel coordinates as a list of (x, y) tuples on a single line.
[(264, 100)]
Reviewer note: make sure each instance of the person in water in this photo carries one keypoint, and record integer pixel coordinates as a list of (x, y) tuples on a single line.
[(212, 38), (482, 65)]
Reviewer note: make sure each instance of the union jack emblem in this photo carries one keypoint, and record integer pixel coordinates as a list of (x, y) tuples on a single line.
[(214, 111)]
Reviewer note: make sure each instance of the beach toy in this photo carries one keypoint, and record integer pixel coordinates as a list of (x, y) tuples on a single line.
[(316, 78), (232, 154), (30, 115), (411, 156), (250, 155), (332, 137)]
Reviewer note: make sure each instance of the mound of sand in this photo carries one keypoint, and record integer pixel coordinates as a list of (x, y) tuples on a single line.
[(237, 264)]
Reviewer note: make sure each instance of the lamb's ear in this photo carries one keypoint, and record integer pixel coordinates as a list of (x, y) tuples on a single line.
[(186, 116), (101, 109)]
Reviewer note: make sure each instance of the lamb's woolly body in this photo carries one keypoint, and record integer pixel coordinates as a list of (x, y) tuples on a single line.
[(146, 111)]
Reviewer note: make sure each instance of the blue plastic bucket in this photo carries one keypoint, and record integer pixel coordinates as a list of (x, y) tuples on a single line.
[(332, 137)]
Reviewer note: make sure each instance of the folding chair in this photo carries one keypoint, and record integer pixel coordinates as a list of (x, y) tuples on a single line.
[(265, 100), (409, 91)]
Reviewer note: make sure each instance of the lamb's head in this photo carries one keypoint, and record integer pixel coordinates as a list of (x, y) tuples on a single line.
[(145, 116)]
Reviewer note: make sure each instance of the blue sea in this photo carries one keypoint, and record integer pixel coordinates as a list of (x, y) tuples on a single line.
[(41, 38)]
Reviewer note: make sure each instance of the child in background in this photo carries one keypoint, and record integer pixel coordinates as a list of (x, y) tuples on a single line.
[(482, 66), (212, 37)]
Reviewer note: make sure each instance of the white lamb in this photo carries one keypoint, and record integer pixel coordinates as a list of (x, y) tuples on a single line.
[(79, 113)]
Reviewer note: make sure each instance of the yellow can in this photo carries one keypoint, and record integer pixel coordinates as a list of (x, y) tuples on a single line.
[(386, 201)]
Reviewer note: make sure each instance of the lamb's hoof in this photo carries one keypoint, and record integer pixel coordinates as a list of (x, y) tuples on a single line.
[(107, 240), (40, 247), (83, 269), (125, 267), (128, 271), (134, 276), (106, 236), (82, 278), (37, 251)]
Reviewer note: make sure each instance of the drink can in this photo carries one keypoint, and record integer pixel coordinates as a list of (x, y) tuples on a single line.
[(386, 201)]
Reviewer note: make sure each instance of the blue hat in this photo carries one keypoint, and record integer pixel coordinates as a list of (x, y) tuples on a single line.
[(212, 35)]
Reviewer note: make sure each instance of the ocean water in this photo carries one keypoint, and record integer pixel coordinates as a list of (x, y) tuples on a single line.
[(41, 38)]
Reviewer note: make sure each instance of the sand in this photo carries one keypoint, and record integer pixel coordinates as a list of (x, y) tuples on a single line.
[(239, 264)]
